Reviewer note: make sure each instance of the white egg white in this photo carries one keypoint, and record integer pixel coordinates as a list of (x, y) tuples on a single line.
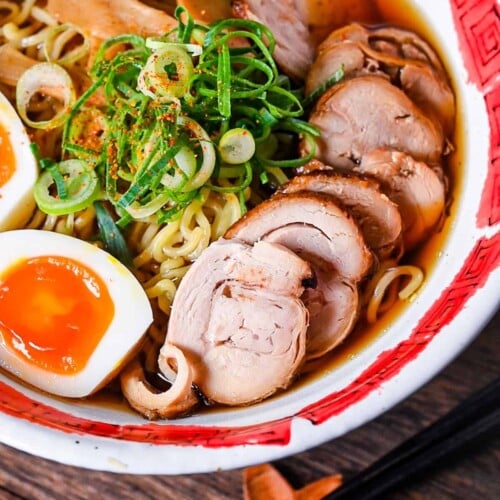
[(16, 195), (132, 316)]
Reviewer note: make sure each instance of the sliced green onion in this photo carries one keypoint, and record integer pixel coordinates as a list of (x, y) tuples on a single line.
[(284, 103), (35, 149), (186, 168), (45, 78), (111, 236), (87, 132), (267, 118), (317, 93), (209, 158), (268, 147), (101, 64), (81, 188), (146, 177), (57, 37), (62, 192), (246, 27), (237, 146), (46, 163), (158, 44), (170, 101), (184, 29), (295, 162), (167, 73), (244, 181), (138, 211), (224, 82), (278, 174), (299, 127)]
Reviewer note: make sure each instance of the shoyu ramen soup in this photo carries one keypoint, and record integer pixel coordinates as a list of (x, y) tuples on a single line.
[(253, 190)]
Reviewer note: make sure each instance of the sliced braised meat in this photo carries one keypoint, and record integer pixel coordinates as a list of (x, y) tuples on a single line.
[(427, 88), (294, 46), (430, 92), (239, 321), (312, 166), (174, 402), (347, 55), (102, 19), (338, 241), (388, 40), (353, 32), (343, 48), (413, 186), (13, 64), (404, 43), (365, 113), (377, 216), (333, 307), (362, 51), (315, 228)]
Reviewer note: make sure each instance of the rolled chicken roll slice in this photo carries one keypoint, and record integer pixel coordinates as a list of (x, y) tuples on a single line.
[(400, 56), (294, 45), (417, 190), (333, 236), (377, 216), (238, 318), (314, 227), (368, 112)]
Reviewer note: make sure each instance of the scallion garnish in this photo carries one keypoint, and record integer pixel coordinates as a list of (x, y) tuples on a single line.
[(76, 186), (170, 103), (317, 93), (111, 235)]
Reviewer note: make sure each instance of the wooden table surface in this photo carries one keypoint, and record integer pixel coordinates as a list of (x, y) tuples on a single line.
[(474, 473)]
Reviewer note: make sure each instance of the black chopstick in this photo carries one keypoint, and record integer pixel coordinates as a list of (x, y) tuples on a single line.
[(476, 416)]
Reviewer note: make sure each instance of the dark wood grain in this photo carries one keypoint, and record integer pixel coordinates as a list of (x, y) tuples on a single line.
[(471, 474)]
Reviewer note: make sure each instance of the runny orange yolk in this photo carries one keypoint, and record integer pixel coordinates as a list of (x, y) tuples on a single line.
[(7, 159), (53, 312)]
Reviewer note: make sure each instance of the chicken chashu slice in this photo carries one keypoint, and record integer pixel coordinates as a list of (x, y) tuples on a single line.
[(366, 113), (314, 227), (103, 19), (417, 190), (176, 401), (238, 318), (300, 25), (377, 216), (399, 55), (387, 39), (294, 51)]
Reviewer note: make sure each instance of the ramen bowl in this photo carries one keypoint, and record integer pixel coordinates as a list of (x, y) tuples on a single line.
[(369, 374)]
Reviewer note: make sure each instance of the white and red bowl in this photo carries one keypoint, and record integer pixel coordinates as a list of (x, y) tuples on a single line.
[(459, 296)]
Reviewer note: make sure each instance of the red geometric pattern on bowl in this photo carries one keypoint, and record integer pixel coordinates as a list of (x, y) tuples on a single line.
[(478, 27)]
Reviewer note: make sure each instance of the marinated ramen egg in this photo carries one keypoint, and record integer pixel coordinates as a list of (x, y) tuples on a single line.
[(18, 169), (70, 314)]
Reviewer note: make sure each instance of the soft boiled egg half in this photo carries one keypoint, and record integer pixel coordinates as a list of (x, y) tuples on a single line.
[(70, 314), (18, 169)]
